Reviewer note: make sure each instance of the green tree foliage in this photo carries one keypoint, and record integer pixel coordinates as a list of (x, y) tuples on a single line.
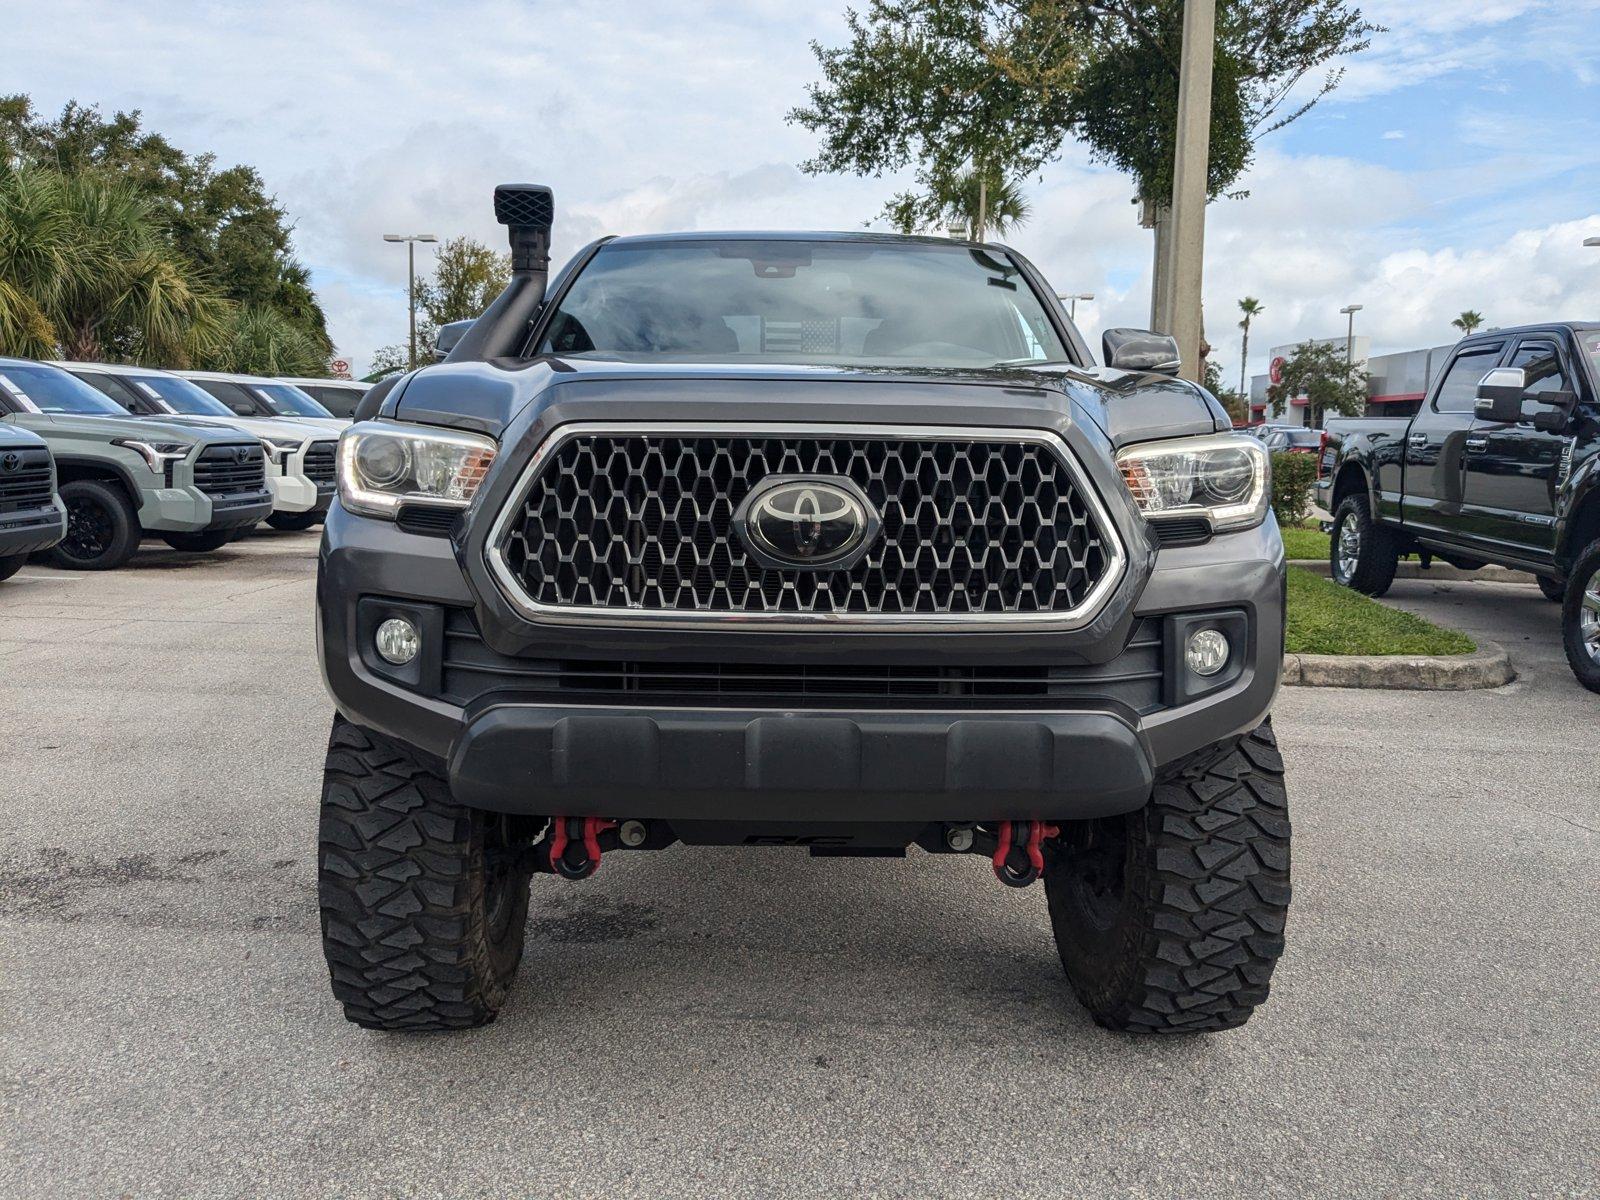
[(1468, 322), (1292, 478), (1319, 372), (967, 205), (263, 341), (221, 221), (86, 268), (1236, 404), (943, 85), (467, 276)]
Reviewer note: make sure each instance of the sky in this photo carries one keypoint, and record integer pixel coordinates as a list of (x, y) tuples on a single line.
[(1455, 167)]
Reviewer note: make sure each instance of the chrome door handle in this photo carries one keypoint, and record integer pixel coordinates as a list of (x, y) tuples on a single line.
[(1474, 444), (1418, 439)]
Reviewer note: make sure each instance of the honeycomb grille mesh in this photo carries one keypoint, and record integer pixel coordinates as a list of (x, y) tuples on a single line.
[(522, 206), (645, 522)]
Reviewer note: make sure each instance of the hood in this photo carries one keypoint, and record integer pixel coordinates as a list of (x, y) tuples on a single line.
[(14, 437), (259, 427), (188, 430), (485, 397)]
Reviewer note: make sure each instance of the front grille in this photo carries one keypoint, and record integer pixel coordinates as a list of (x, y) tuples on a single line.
[(973, 523), (471, 670), (226, 470), (319, 463), (27, 485)]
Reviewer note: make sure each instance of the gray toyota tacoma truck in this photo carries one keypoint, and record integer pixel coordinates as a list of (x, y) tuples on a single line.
[(839, 542), (193, 485), (32, 517)]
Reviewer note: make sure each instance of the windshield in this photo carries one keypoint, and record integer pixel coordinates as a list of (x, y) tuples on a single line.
[(851, 303), (287, 400), (179, 396), (47, 389)]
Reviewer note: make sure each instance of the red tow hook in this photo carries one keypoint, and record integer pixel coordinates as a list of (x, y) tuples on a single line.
[(1019, 864), (575, 845)]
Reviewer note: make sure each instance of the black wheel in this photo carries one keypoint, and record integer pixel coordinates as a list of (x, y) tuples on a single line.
[(294, 522), (1170, 919), (424, 901), (102, 528), (1580, 618), (11, 564), (1362, 554), (203, 542), (1553, 589)]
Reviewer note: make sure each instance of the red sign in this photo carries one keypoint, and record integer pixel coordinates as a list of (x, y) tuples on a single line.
[(1276, 370), (339, 368)]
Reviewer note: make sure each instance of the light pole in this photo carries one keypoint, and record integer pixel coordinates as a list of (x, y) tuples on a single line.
[(1072, 301), (1350, 310), (411, 240), (1189, 175)]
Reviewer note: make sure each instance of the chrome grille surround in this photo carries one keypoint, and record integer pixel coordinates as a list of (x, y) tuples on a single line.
[(1097, 552)]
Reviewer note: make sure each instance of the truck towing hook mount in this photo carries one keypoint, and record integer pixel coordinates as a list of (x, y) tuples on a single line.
[(573, 847), (1018, 854)]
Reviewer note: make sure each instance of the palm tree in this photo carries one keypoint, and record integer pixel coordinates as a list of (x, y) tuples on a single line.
[(1468, 322), (1251, 308), (978, 203), (85, 269)]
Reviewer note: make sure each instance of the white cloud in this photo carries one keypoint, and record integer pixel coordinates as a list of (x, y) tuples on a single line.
[(1394, 135)]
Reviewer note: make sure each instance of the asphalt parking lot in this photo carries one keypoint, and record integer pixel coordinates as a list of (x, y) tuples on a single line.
[(741, 1023)]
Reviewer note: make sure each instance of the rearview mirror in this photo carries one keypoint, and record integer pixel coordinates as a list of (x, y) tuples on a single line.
[(447, 335), (1500, 394), (1140, 350)]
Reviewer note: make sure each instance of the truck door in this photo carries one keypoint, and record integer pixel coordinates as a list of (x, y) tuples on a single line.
[(1436, 442), (1512, 468)]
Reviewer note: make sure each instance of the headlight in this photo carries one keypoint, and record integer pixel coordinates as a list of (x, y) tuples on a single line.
[(382, 464), (155, 454), (280, 449), (1226, 478)]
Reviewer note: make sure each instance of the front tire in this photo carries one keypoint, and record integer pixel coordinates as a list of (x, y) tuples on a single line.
[(424, 901), (102, 528), (1580, 618), (294, 522), (1170, 919), (202, 542), (1362, 554), (10, 565), (1553, 589)]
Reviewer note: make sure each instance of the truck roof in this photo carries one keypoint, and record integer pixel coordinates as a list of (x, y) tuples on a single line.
[(795, 235), (1539, 327)]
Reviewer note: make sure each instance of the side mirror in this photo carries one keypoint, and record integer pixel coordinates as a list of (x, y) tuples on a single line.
[(446, 337), (1500, 394), (1140, 350)]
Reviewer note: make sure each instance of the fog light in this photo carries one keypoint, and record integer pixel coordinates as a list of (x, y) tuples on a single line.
[(398, 641), (1207, 652)]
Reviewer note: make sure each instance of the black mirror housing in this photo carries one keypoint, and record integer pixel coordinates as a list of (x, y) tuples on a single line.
[(1140, 350), (1500, 395)]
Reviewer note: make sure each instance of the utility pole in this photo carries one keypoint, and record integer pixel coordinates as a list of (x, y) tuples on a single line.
[(1350, 311), (411, 240), (1189, 179)]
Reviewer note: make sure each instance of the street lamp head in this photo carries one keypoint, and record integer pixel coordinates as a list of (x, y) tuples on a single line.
[(426, 237), (393, 237), (1350, 308), (1594, 241)]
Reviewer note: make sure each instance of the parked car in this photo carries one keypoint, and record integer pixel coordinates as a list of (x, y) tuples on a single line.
[(268, 399), (1501, 465), (1293, 439), (725, 561), (191, 484), (300, 455), (32, 517), (338, 396)]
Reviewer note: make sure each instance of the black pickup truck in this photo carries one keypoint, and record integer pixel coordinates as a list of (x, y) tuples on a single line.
[(840, 542), (1501, 465)]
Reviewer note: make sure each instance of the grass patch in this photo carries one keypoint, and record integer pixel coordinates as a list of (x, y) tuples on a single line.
[(1306, 541), (1325, 618)]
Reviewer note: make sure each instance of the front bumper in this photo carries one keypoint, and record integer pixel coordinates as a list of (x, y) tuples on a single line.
[(189, 510), (298, 494), (790, 761), (33, 530)]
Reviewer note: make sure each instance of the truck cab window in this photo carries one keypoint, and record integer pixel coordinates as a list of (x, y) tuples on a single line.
[(1459, 391), (1542, 362)]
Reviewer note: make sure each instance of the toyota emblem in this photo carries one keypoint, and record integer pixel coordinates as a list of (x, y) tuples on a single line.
[(10, 461), (821, 523)]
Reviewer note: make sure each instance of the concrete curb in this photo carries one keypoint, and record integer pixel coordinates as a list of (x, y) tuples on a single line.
[(1439, 570), (1487, 667)]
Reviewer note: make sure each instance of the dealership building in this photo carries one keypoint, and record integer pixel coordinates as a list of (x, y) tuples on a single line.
[(1396, 383)]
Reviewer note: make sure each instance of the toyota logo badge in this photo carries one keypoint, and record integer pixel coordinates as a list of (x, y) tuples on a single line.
[(10, 461), (821, 523)]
